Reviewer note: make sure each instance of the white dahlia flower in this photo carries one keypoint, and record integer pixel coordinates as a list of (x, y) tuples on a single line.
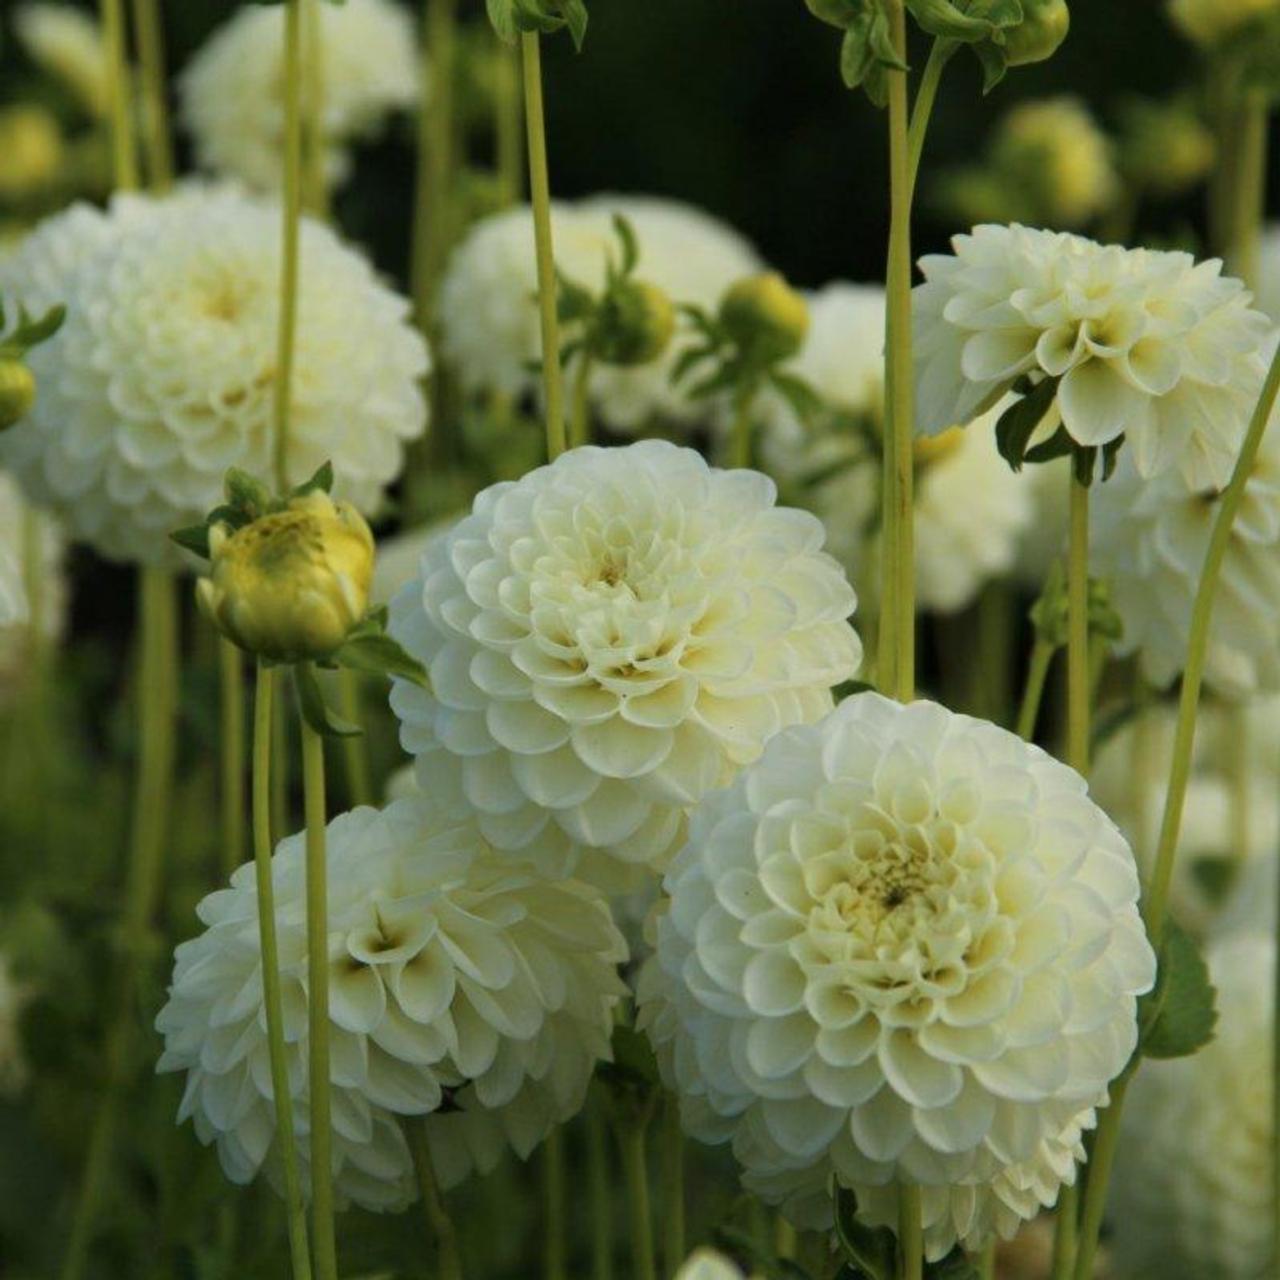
[(609, 638), (163, 375), (1191, 1195), (455, 978), (902, 946), (488, 297), (67, 43), (1149, 539), (399, 556), (1149, 345), (232, 93), (26, 533), (1209, 21)]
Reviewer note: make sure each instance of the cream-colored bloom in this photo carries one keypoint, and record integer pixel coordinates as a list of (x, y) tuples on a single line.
[(902, 946), (709, 1264), (1150, 538), (232, 93), (1149, 345), (1209, 21), (67, 43), (163, 375), (399, 557), (488, 298), (454, 975), (609, 638), (1191, 1194)]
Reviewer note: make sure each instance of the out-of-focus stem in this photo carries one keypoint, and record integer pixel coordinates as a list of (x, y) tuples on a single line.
[(155, 107), (231, 735)]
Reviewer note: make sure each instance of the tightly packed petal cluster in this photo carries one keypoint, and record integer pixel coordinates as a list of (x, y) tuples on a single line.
[(25, 534), (454, 977), (1147, 344), (488, 298), (904, 945), (164, 373), (1150, 539), (608, 639), (1192, 1191), (232, 93)]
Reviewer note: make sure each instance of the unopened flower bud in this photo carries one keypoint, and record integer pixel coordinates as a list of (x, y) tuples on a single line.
[(17, 391), (637, 324), (31, 150), (1166, 149), (766, 318), (291, 585), (1040, 33)]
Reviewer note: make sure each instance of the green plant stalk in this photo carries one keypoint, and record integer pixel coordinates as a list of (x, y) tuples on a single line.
[(580, 418), (986, 1262), (281, 819), (1065, 1224), (231, 742), (740, 432), (635, 1173), (1156, 902), (554, 1220), (910, 1233), (281, 1097), (673, 1206), (508, 124), (599, 1184), (315, 187), (1033, 695), (155, 106), (448, 1256), (124, 147), (1248, 202), (540, 188), (291, 213), (940, 54), (355, 750), (321, 1136)]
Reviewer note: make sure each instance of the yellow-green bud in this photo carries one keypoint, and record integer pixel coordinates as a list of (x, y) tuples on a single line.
[(637, 324), (1166, 148), (31, 150), (17, 392), (291, 585), (1040, 33), (766, 318)]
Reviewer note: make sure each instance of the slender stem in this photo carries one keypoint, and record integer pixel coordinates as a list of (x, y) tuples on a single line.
[(740, 450), (435, 156), (554, 1223), (580, 418), (1248, 197), (231, 735), (540, 188), (673, 1206), (124, 147), (291, 212), (1078, 629), (448, 1256), (987, 1262), (355, 750), (281, 1096), (1156, 901), (635, 1172), (1065, 1232), (599, 1185), (315, 185), (508, 124), (155, 106), (281, 820), (910, 1233), (784, 1238), (326, 1258), (994, 652), (1037, 672), (926, 95)]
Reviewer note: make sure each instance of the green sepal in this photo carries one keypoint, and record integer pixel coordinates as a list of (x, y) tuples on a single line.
[(873, 1251), (247, 493), (378, 654), (321, 481), (946, 20), (1019, 421), (30, 333), (193, 538), (626, 234), (1180, 1015), (312, 707), (836, 13), (511, 18)]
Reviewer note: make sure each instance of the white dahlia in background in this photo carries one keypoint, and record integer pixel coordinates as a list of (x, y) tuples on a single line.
[(1192, 1194), (456, 978), (902, 946), (67, 43), (398, 557), (488, 298), (611, 637), (1149, 345), (25, 532), (1149, 539), (232, 91), (163, 375)]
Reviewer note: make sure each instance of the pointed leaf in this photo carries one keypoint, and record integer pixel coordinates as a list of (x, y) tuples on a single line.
[(1019, 421), (193, 538), (312, 706), (1180, 1015), (322, 481), (381, 655)]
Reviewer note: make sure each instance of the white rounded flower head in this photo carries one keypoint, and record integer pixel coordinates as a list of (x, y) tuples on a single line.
[(1150, 539), (609, 638), (455, 978), (902, 946), (232, 92), (1145, 344), (68, 44), (1191, 1195), (163, 375), (709, 1264)]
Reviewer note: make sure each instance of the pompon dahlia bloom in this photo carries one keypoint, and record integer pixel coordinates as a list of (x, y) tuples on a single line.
[(1191, 1194), (163, 375), (488, 297), (1149, 345), (232, 92), (1150, 538), (67, 43), (609, 638), (25, 532), (903, 945), (454, 975)]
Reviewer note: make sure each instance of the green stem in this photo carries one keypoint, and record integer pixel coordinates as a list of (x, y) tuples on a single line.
[(740, 450), (1248, 198), (635, 1172), (1037, 672), (784, 1238), (673, 1206), (910, 1233), (291, 212), (155, 107), (281, 819), (321, 1136), (987, 1262), (599, 1183), (1065, 1231), (231, 710), (540, 188), (124, 149), (580, 419), (448, 1256), (435, 157), (554, 1223), (281, 1096), (355, 749), (940, 54), (1078, 629), (1156, 902), (508, 124), (314, 185)]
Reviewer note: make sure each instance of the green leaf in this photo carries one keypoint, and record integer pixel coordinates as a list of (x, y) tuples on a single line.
[(633, 1061), (944, 19), (688, 361), (995, 66), (836, 13), (1179, 1016), (322, 481), (246, 493), (575, 18), (1019, 421), (1110, 456), (630, 245), (873, 1250), (30, 333), (381, 655), (856, 57), (502, 14), (1084, 461), (312, 706), (1057, 445), (193, 538)]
